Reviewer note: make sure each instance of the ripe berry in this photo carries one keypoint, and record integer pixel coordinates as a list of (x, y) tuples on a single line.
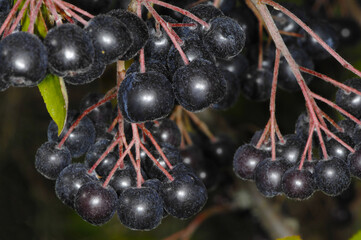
[(350, 102), (79, 140), (110, 37), (145, 97), (18, 67), (205, 12), (70, 50), (140, 208), (166, 131), (123, 179), (232, 93), (336, 149), (137, 28), (221, 150), (225, 38), (95, 204), (185, 196), (245, 161), (298, 184), (291, 150), (332, 176), (198, 85), (237, 65), (51, 160), (268, 176), (256, 84), (70, 180)]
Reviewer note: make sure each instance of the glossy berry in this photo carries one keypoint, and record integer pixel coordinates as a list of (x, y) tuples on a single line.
[(111, 38), (354, 162), (225, 38), (205, 12), (350, 102), (268, 176), (17, 65), (246, 159), (166, 131), (79, 140), (138, 30), (101, 114), (70, 180), (96, 204), (123, 179), (336, 149), (94, 72), (347, 29), (309, 165), (198, 85), (70, 50), (145, 97), (247, 21), (332, 176), (256, 84), (184, 197), (237, 65), (291, 150), (140, 208), (150, 66), (193, 49), (220, 150), (51, 160), (298, 184)]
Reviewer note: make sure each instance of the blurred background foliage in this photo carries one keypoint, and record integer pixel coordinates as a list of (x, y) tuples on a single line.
[(29, 208)]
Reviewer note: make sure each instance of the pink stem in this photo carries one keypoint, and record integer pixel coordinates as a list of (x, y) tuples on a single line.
[(330, 80), (137, 153), (156, 145), (333, 105), (86, 112), (342, 61), (264, 134), (173, 25), (33, 16), (166, 173), (50, 5), (112, 126), (10, 16), (107, 180), (171, 33), (121, 135), (308, 145), (328, 132), (106, 152), (181, 11), (20, 16), (260, 44), (273, 102), (79, 10), (69, 12)]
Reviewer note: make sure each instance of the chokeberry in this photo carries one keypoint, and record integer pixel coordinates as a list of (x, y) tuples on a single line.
[(256, 84), (298, 184), (101, 114), (166, 131), (349, 101)]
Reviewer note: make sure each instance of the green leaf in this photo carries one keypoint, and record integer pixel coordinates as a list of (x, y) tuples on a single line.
[(357, 236), (55, 96), (290, 238)]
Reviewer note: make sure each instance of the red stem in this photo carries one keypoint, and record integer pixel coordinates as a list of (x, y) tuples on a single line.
[(308, 146), (142, 61), (33, 16), (116, 166), (86, 112), (20, 16), (342, 61), (50, 5), (10, 16), (79, 10), (328, 132), (173, 25), (69, 12), (137, 153), (106, 152), (166, 173), (260, 44), (181, 11), (171, 33)]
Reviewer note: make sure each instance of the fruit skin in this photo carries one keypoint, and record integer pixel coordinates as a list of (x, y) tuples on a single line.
[(198, 85), (298, 184), (138, 30), (185, 196), (232, 93), (332, 176), (140, 208), (256, 85), (354, 162), (96, 204), (70, 50), (166, 131), (111, 38), (70, 180), (268, 176), (145, 97), (51, 160), (245, 161), (102, 113), (17, 65), (225, 38), (351, 102)]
